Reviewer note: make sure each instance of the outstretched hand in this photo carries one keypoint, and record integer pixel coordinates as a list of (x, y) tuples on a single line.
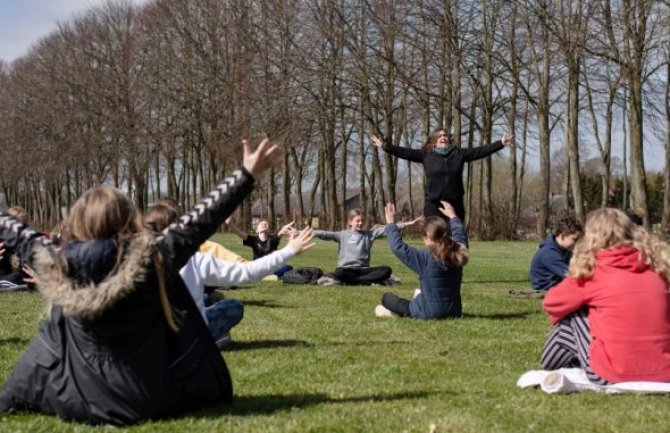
[(417, 220), (389, 212), (448, 210), (265, 157), (301, 240), (507, 140), (31, 277), (287, 229), (377, 142)]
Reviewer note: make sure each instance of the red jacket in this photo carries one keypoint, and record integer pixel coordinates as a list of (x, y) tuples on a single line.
[(629, 316)]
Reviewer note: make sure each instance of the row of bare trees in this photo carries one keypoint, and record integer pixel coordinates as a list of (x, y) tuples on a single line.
[(154, 100)]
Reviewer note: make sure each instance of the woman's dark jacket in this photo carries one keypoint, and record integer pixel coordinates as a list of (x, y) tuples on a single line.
[(107, 354), (444, 174)]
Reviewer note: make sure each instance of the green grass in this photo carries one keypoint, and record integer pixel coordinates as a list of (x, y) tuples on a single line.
[(316, 359)]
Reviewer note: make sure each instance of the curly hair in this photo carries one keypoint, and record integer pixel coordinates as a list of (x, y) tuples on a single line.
[(610, 228)]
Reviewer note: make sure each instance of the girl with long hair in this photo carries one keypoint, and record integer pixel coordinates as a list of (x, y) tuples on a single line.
[(439, 265), (124, 341), (611, 315)]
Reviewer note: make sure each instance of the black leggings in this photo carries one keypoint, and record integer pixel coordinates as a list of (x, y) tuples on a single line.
[(395, 303), (362, 276)]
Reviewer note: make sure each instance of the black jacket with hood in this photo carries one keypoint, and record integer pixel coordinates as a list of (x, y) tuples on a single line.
[(107, 354)]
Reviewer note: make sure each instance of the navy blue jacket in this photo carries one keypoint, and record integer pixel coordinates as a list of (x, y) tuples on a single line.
[(440, 285), (549, 265)]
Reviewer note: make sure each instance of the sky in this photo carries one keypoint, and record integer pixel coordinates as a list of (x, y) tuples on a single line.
[(24, 22)]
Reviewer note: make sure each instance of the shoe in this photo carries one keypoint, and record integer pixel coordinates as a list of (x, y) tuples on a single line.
[(382, 311), (224, 341), (417, 292), (327, 281), (271, 277), (392, 280), (8, 286)]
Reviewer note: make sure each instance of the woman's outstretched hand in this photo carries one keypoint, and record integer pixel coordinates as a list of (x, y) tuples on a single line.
[(301, 240), (377, 142), (507, 140), (265, 157)]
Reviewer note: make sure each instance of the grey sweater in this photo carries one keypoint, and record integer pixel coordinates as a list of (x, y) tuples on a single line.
[(353, 246)]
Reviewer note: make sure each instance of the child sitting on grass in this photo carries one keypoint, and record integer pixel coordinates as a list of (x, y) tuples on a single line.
[(354, 247), (206, 270), (550, 263), (124, 341), (439, 265), (611, 315)]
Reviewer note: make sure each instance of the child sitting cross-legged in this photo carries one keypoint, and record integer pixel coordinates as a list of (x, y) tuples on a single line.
[(439, 265)]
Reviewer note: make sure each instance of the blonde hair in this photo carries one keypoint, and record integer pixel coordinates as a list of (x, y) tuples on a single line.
[(102, 212), (19, 213), (607, 228)]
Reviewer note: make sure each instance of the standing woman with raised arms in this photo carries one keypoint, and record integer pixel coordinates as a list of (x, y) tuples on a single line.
[(443, 163)]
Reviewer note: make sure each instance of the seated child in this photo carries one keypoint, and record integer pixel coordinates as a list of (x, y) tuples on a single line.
[(205, 269), (12, 275), (439, 265), (124, 341), (263, 242), (611, 314), (550, 263), (354, 247)]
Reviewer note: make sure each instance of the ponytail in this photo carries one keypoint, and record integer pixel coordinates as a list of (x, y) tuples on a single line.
[(443, 249)]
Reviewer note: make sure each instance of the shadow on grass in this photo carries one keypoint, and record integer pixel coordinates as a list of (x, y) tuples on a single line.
[(500, 316), (270, 403), (14, 340), (265, 304), (264, 344), (506, 280)]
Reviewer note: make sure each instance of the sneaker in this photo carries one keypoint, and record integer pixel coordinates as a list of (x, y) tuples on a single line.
[(271, 277), (417, 292), (382, 311), (8, 286), (327, 281), (392, 280), (224, 341)]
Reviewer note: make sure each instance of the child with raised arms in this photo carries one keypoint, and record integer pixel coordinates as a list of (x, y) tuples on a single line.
[(354, 250), (439, 266), (124, 341)]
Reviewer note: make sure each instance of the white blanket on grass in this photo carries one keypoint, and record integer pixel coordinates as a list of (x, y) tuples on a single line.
[(568, 380)]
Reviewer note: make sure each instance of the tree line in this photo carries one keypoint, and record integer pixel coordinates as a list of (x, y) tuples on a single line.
[(155, 99)]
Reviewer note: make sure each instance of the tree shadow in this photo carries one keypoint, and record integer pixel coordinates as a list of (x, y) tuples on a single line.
[(264, 344), (270, 403), (485, 281), (14, 340), (364, 343), (500, 316)]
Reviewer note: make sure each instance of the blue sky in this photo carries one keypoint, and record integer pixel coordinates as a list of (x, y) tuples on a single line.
[(24, 22)]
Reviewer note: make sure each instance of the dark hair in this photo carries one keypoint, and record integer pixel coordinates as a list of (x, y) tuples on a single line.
[(169, 201), (444, 249), (159, 216), (429, 145), (568, 225)]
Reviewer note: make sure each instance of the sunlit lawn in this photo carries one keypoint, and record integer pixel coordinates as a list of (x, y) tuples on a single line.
[(316, 359)]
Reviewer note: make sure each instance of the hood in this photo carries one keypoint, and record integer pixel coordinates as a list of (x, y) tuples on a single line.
[(93, 284), (628, 258)]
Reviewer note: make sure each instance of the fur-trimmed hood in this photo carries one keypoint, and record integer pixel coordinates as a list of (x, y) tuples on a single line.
[(86, 297)]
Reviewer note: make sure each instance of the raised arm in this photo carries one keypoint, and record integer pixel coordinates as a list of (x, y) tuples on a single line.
[(18, 236), (182, 239), (230, 222), (409, 256), (458, 233), (414, 155), (480, 152)]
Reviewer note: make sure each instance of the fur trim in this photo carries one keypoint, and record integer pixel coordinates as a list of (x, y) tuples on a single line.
[(91, 300)]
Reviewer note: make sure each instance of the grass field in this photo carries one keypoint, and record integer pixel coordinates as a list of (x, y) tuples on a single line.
[(316, 359)]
